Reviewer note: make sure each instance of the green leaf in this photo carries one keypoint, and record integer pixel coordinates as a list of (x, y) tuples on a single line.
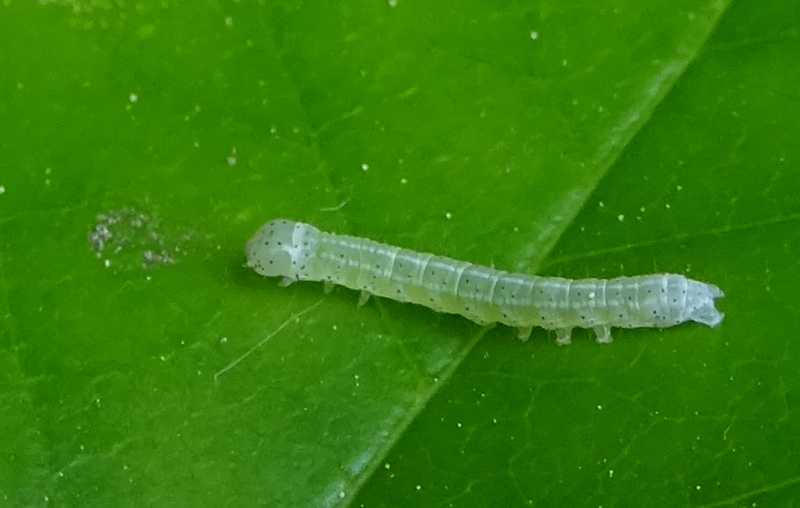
[(142, 144)]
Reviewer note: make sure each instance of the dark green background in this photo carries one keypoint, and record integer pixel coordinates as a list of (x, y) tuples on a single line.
[(622, 138)]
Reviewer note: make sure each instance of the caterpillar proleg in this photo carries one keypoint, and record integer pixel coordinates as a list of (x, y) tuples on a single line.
[(298, 251)]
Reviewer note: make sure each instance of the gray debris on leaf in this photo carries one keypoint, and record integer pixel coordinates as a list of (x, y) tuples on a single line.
[(129, 238)]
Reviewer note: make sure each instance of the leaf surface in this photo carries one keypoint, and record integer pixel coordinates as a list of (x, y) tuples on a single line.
[(143, 144)]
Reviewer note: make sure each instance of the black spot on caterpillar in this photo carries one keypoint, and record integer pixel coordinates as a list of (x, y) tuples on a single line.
[(298, 251)]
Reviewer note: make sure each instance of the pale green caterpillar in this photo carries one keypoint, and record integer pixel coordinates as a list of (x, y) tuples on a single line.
[(297, 251)]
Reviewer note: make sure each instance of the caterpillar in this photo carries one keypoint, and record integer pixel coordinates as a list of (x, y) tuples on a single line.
[(297, 251)]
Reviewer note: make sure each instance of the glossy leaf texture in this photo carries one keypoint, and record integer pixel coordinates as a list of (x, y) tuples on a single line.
[(143, 143)]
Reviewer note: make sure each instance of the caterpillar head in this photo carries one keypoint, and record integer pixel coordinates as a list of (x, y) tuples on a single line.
[(280, 248), (700, 305)]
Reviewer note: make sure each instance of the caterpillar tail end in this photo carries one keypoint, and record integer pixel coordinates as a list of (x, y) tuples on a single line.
[(700, 303)]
